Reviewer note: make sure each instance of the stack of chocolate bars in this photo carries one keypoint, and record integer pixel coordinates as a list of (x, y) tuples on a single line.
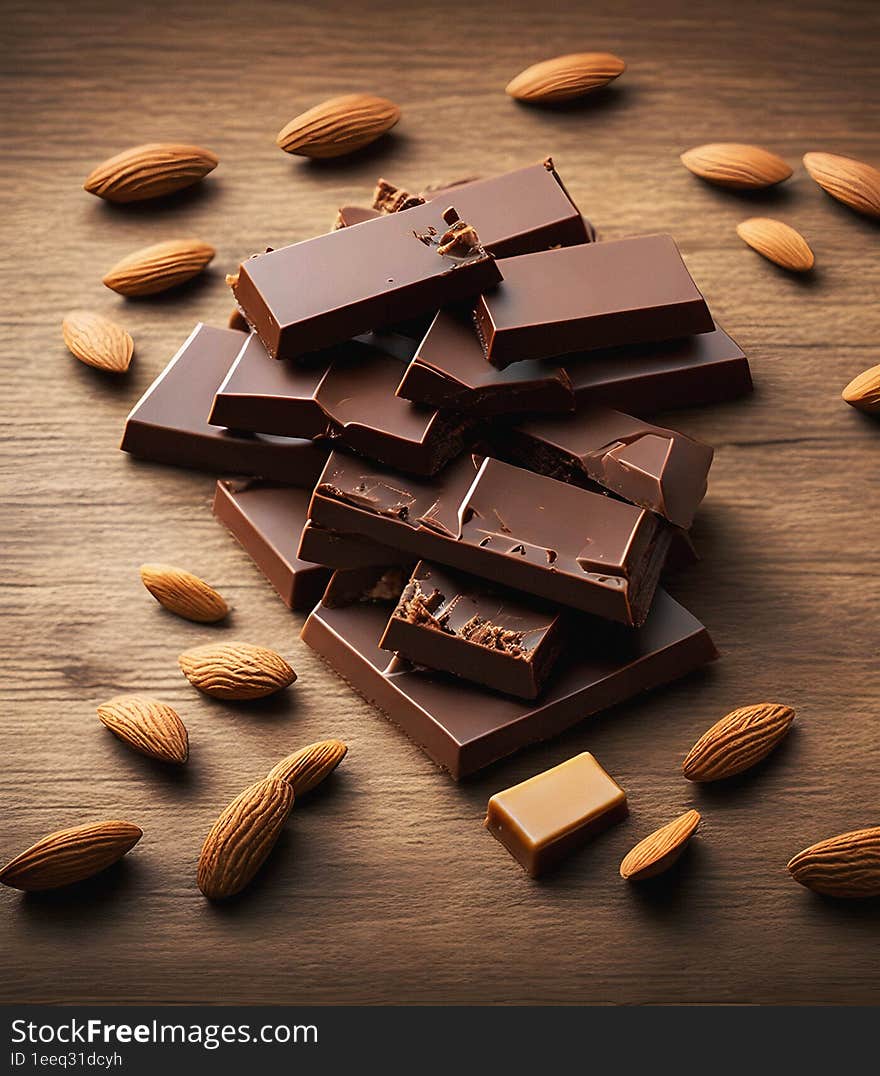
[(433, 409)]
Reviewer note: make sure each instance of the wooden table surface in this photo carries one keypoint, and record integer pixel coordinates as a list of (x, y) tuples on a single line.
[(386, 888)]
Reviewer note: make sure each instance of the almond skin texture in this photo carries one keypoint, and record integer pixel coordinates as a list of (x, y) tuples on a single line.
[(70, 855), (339, 126), (183, 593), (863, 391), (149, 171), (736, 165), (777, 242), (308, 767), (852, 182), (738, 741), (236, 670), (565, 77), (657, 852), (159, 267), (97, 341), (843, 866), (242, 838), (147, 725)]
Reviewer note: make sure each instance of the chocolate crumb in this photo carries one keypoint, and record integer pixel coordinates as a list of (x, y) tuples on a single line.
[(450, 215)]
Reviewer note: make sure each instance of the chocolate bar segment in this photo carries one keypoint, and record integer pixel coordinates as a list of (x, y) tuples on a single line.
[(542, 820), (593, 296), (169, 424), (349, 215), (452, 622), (343, 551)]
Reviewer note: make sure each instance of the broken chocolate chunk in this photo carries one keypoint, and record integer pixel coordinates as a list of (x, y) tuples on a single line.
[(390, 199)]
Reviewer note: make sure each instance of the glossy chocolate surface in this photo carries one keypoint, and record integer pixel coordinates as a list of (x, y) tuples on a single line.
[(342, 551)]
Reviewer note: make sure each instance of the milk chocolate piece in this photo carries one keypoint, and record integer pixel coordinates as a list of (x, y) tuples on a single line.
[(454, 623), (349, 215), (169, 423), (325, 290), (542, 820), (463, 727), (336, 549), (593, 296)]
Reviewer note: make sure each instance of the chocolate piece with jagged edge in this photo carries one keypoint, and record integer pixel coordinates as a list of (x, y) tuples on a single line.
[(390, 199)]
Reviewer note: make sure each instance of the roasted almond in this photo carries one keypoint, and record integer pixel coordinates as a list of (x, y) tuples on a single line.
[(70, 855), (778, 242), (863, 391), (844, 866), (235, 670), (657, 852), (852, 182), (149, 171), (147, 725), (565, 77), (159, 267), (97, 341), (738, 741), (736, 165), (308, 767), (339, 126), (183, 593), (242, 838)]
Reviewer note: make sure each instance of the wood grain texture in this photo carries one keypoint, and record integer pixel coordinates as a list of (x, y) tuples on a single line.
[(385, 887)]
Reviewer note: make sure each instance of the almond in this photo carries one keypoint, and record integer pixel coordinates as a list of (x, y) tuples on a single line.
[(863, 391), (97, 341), (308, 767), (852, 182), (843, 866), (737, 741), (657, 852), (565, 77), (778, 242), (242, 838), (235, 670), (183, 593), (736, 165), (70, 855), (147, 725), (159, 267), (339, 126), (149, 171)]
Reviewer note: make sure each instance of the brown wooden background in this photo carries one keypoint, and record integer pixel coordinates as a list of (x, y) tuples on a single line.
[(386, 888)]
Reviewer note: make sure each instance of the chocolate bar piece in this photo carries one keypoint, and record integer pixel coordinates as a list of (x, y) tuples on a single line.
[(592, 296), (322, 291), (346, 396), (267, 520), (457, 624), (169, 423), (506, 525), (349, 215), (463, 727), (542, 820), (343, 551), (648, 465)]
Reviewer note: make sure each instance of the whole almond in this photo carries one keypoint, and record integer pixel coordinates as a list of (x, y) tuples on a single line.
[(308, 767), (235, 670), (852, 182), (738, 741), (149, 171), (159, 267), (338, 126), (565, 77), (736, 165), (70, 855), (863, 391), (184, 593), (242, 838), (657, 852), (844, 866), (778, 242), (147, 725), (97, 341)]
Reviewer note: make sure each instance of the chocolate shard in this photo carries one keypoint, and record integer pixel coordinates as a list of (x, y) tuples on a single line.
[(390, 199), (349, 215)]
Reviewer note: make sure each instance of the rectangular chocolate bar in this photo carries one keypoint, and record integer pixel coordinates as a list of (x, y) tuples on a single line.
[(454, 623), (588, 297), (507, 525), (463, 727), (343, 551), (322, 291), (169, 424), (542, 820)]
